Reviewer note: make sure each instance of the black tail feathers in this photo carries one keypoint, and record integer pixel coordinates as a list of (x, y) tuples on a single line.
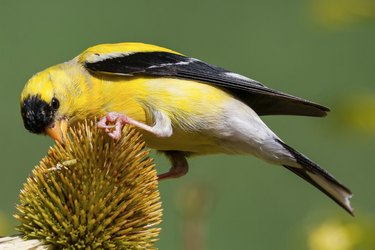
[(320, 178)]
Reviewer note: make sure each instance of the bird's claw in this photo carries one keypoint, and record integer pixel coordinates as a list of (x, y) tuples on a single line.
[(113, 130)]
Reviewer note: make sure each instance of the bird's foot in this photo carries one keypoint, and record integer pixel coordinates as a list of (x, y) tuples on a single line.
[(113, 123), (179, 165)]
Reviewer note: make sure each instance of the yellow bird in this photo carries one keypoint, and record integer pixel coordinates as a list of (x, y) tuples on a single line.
[(181, 105)]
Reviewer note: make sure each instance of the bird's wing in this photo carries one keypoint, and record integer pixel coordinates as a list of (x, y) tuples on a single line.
[(165, 63)]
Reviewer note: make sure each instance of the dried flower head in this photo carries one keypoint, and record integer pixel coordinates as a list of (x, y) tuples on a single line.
[(93, 193)]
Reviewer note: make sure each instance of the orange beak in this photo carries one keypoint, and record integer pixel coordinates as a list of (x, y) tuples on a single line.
[(58, 131)]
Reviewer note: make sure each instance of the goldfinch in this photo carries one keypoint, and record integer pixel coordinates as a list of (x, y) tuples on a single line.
[(182, 106)]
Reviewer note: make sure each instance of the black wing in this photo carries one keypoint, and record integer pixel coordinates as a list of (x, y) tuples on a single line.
[(263, 100)]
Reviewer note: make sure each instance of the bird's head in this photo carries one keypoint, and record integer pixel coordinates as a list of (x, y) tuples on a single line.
[(42, 106)]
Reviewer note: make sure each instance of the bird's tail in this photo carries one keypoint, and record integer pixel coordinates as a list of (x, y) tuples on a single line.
[(320, 178)]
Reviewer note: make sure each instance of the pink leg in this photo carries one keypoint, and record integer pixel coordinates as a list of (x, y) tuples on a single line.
[(162, 128), (179, 167)]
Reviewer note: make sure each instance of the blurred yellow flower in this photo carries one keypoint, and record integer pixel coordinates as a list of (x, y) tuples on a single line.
[(335, 235), (358, 112), (340, 12)]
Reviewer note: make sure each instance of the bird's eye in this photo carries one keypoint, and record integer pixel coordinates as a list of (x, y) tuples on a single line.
[(55, 104)]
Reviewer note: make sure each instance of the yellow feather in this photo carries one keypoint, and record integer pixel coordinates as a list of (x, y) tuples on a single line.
[(106, 50), (84, 95)]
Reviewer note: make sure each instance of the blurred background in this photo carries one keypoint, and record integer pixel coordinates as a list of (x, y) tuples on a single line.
[(322, 50)]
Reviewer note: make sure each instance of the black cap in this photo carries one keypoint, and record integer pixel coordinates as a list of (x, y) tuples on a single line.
[(37, 114)]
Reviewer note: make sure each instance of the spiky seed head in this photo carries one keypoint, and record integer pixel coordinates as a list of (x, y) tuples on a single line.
[(93, 193)]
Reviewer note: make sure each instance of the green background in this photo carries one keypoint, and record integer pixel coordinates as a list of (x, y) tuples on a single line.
[(316, 49)]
